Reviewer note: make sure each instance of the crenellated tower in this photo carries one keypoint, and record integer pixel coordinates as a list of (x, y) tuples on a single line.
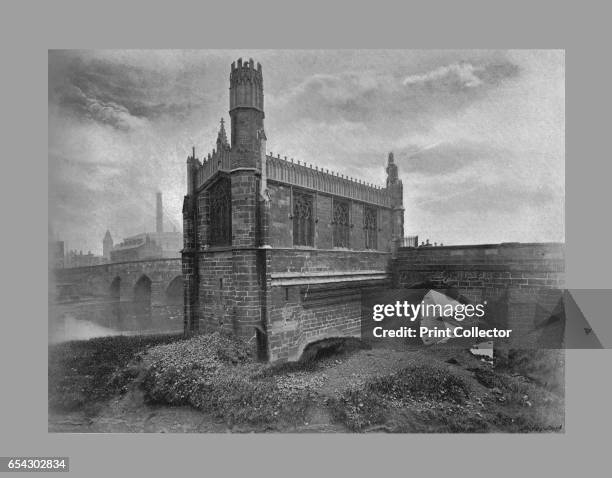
[(246, 107)]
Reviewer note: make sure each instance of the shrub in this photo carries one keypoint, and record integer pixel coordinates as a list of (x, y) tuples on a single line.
[(215, 373), (422, 382), (486, 377), (371, 404), (359, 409)]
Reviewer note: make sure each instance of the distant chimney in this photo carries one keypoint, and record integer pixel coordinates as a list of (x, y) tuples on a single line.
[(160, 214)]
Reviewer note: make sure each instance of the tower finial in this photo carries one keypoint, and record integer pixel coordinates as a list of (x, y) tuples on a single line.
[(392, 176), (222, 136), (193, 151)]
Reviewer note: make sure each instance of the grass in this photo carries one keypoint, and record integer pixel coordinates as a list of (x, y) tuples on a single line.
[(434, 399), (380, 398), (217, 374), (84, 374), (543, 367)]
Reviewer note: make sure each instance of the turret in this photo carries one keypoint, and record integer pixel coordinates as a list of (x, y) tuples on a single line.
[(394, 184), (391, 170), (396, 192), (246, 104), (192, 166)]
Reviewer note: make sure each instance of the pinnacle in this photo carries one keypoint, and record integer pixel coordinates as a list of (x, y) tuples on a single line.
[(222, 136)]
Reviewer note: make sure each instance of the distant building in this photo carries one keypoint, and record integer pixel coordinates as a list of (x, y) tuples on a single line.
[(136, 248), (107, 245), (147, 245), (78, 259)]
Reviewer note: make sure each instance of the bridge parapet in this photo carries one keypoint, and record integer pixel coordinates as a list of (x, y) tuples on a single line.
[(485, 266)]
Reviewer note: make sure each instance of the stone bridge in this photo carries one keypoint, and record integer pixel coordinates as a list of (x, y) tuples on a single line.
[(521, 283), (128, 296)]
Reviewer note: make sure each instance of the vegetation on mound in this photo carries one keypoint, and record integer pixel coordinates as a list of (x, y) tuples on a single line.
[(544, 367), (435, 399), (215, 373), (372, 404), (84, 373)]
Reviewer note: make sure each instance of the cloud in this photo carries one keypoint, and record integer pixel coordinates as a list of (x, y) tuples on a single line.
[(462, 75), (388, 102), (123, 95), (445, 157), (461, 125), (105, 112), (490, 198)]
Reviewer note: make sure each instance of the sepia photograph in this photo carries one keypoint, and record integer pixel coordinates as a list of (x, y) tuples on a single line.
[(307, 241)]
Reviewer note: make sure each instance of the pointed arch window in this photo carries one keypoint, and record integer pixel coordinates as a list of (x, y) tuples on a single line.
[(220, 198), (370, 227), (341, 222), (303, 219)]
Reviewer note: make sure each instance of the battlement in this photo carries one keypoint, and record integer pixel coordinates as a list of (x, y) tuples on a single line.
[(246, 85), (298, 174), (247, 65), (315, 178), (218, 160)]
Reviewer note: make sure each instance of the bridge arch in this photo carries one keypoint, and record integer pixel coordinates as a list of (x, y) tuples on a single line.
[(175, 291), (127, 296), (115, 289), (142, 297)]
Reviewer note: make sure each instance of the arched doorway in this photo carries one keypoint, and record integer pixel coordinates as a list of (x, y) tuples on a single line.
[(142, 299)]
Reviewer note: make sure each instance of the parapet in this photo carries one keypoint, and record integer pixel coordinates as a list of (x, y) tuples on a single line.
[(246, 65), (318, 179)]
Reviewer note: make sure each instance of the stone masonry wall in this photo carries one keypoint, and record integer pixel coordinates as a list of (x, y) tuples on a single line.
[(521, 283), (316, 294), (281, 225)]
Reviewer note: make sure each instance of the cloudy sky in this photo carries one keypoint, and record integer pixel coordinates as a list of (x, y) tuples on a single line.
[(479, 136)]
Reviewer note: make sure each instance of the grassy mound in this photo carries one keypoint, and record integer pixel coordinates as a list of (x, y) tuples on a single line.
[(372, 404), (215, 373), (426, 398), (84, 373)]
